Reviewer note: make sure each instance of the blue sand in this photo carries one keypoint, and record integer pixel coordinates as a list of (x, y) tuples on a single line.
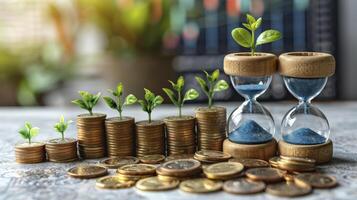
[(250, 89), (304, 136), (305, 88), (250, 132)]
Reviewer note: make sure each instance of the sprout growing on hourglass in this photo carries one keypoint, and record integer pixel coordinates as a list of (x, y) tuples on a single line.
[(190, 94), (28, 132), (212, 85), (150, 102)]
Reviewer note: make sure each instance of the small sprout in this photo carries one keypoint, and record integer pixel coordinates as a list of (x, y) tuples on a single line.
[(117, 103), (88, 101), (62, 126), (177, 100), (212, 85), (247, 40), (150, 102), (28, 132)]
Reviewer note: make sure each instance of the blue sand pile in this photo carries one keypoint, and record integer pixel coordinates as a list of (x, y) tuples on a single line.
[(250, 132), (251, 89), (304, 136)]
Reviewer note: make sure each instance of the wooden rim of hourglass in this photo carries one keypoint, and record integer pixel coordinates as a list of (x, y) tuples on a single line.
[(258, 151), (306, 64), (244, 64), (322, 153)]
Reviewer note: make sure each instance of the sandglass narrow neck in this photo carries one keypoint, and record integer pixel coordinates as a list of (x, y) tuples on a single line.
[(305, 103), (251, 102)]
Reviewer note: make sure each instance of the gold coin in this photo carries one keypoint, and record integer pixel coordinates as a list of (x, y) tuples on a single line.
[(113, 182), (293, 166), (243, 186), (250, 162), (180, 167), (288, 189), (212, 155), (223, 170), (268, 175), (298, 159), (152, 159), (274, 161), (179, 156), (126, 177), (116, 162), (137, 169), (316, 180), (155, 184), (289, 177), (200, 185), (87, 171)]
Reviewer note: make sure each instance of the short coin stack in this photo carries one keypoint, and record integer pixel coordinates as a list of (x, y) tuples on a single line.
[(115, 163), (87, 171), (150, 138), (181, 135), (296, 164), (91, 136), (30, 153), (120, 136), (211, 128), (62, 150), (211, 156), (180, 169), (224, 170), (135, 172)]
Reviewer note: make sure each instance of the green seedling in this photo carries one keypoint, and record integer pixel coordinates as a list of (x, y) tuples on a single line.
[(88, 101), (211, 85), (150, 102), (247, 40), (28, 132), (62, 126), (117, 103), (177, 99)]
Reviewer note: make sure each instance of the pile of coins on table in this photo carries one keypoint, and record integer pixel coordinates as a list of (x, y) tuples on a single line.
[(233, 175), (62, 150)]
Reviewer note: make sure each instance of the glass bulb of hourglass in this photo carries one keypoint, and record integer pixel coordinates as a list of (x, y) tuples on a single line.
[(250, 123), (305, 124)]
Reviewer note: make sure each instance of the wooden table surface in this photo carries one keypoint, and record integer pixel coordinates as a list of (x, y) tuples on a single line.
[(49, 180)]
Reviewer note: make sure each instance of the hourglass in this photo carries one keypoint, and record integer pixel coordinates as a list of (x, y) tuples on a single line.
[(305, 129), (250, 126)]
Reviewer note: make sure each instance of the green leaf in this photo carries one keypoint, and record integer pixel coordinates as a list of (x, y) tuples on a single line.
[(180, 83), (62, 119), (28, 125), (202, 84), (34, 131), (80, 103), (149, 96), (247, 26), (191, 94), (110, 102), (157, 101), (130, 99), (268, 36), (250, 19), (24, 133), (96, 99), (173, 84), (120, 89), (143, 105), (114, 93), (215, 75), (257, 24), (242, 37), (171, 95), (220, 86)]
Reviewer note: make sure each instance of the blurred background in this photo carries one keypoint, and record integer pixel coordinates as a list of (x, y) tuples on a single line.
[(51, 49)]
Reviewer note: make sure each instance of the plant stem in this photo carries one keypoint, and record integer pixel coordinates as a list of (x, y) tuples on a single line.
[(119, 107), (120, 115), (149, 117), (90, 111), (62, 133), (30, 140), (179, 102), (253, 44), (180, 112), (209, 102)]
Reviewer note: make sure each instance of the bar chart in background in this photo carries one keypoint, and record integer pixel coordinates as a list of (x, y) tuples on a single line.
[(206, 36)]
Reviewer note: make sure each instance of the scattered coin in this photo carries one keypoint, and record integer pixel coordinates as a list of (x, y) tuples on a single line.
[(316, 180), (250, 162), (274, 161), (243, 186), (296, 164), (181, 156), (117, 162), (288, 189), (126, 177), (298, 159), (200, 185), (268, 175), (113, 182), (152, 159), (87, 171), (223, 170), (289, 177), (137, 169), (155, 184), (180, 168), (211, 156)]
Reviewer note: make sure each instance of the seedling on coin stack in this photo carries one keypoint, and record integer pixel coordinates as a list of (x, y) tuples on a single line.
[(180, 129), (91, 130), (30, 151), (120, 130), (150, 134), (62, 149), (211, 120)]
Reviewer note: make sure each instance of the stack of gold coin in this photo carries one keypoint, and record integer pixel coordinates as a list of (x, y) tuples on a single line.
[(91, 136), (62, 150), (28, 153), (181, 135), (180, 169), (211, 128), (87, 171), (120, 136), (135, 172), (223, 170), (150, 138), (296, 164), (211, 156)]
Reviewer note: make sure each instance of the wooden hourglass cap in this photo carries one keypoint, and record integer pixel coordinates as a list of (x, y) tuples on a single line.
[(244, 64), (306, 64)]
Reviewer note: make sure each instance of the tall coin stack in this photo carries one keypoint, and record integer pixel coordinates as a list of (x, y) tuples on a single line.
[(30, 153), (62, 150), (120, 136), (150, 138), (181, 135), (211, 128), (91, 135)]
